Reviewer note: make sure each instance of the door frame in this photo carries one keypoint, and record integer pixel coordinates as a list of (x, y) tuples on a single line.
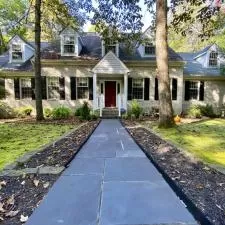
[(117, 81)]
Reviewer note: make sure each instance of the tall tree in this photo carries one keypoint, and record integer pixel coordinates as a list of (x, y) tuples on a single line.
[(37, 63), (165, 102)]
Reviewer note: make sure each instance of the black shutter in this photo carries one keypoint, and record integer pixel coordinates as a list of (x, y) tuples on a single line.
[(174, 89), (17, 88), (44, 90), (62, 88), (73, 88), (156, 89), (2, 85), (33, 88), (146, 90), (187, 92), (202, 91), (90, 85), (130, 94)]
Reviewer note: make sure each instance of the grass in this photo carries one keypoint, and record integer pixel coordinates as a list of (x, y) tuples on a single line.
[(205, 139), (17, 139)]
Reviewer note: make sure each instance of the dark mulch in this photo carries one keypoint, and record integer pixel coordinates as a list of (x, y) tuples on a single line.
[(60, 152), (26, 192), (204, 186), (27, 196)]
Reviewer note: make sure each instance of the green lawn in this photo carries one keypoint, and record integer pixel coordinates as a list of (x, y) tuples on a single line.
[(17, 139), (205, 139)]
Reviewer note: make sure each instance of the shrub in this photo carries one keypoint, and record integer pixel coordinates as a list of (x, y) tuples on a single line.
[(207, 110), (6, 112), (47, 112), (85, 111), (78, 112), (195, 111), (136, 109), (61, 112), (24, 111)]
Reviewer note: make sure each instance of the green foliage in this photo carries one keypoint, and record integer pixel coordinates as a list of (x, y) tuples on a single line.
[(197, 111), (48, 112), (6, 112), (85, 111), (61, 112), (135, 109), (78, 112), (194, 111), (24, 111), (16, 140)]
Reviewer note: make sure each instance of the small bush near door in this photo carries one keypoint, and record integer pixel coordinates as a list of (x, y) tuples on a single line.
[(136, 109), (6, 112), (61, 112), (197, 111), (24, 111), (84, 112)]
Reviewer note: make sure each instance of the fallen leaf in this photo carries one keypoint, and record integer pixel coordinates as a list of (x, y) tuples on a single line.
[(46, 185), (1, 207), (36, 182), (11, 200), (23, 182), (1, 218), (2, 183), (23, 218), (12, 213)]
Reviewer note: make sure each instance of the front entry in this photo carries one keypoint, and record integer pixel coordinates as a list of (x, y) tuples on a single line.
[(110, 93)]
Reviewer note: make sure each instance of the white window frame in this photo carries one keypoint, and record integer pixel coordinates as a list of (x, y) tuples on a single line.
[(148, 45), (198, 90), (212, 58), (22, 51), (81, 86), (115, 44), (21, 87), (63, 53), (139, 87), (47, 87)]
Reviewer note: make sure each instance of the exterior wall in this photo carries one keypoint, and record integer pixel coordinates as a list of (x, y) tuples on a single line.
[(150, 72), (214, 95), (84, 71)]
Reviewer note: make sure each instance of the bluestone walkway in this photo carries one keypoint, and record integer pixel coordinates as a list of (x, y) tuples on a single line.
[(111, 182)]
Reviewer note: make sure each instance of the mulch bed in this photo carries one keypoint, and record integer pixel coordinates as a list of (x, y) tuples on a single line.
[(203, 186), (24, 193), (60, 152)]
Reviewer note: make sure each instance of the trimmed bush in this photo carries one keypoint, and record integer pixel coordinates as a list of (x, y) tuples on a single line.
[(85, 111), (195, 111), (207, 110), (24, 111), (78, 112), (61, 112), (136, 109), (6, 112), (47, 112)]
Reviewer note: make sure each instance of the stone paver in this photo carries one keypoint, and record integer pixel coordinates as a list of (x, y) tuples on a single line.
[(111, 182)]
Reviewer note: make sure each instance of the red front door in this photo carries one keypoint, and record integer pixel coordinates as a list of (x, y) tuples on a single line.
[(110, 94)]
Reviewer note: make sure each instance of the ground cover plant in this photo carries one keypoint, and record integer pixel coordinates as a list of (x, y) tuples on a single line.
[(204, 139), (17, 139)]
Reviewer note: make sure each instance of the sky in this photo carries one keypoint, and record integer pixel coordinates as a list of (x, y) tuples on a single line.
[(146, 17)]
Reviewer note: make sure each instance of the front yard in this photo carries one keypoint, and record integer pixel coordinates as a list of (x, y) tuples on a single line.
[(19, 138), (204, 139)]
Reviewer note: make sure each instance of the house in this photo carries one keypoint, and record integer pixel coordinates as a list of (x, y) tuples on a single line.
[(82, 67)]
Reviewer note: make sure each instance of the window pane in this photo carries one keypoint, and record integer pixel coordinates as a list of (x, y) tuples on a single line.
[(17, 55), (82, 92), (69, 48), (138, 89), (110, 48), (82, 82), (69, 40), (213, 59), (149, 49), (16, 48), (193, 90), (26, 91), (53, 88)]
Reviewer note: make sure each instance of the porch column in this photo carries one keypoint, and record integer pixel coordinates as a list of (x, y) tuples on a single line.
[(125, 90), (95, 100)]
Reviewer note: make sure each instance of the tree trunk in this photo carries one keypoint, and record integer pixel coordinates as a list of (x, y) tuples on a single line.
[(37, 66), (165, 102)]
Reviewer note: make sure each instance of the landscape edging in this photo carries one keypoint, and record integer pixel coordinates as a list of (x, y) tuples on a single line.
[(195, 211)]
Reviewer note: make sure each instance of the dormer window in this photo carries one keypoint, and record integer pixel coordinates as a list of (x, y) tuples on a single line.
[(213, 59), (17, 53), (110, 46), (149, 49), (68, 44)]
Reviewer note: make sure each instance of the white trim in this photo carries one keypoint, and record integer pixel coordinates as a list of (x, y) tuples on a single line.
[(116, 45)]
